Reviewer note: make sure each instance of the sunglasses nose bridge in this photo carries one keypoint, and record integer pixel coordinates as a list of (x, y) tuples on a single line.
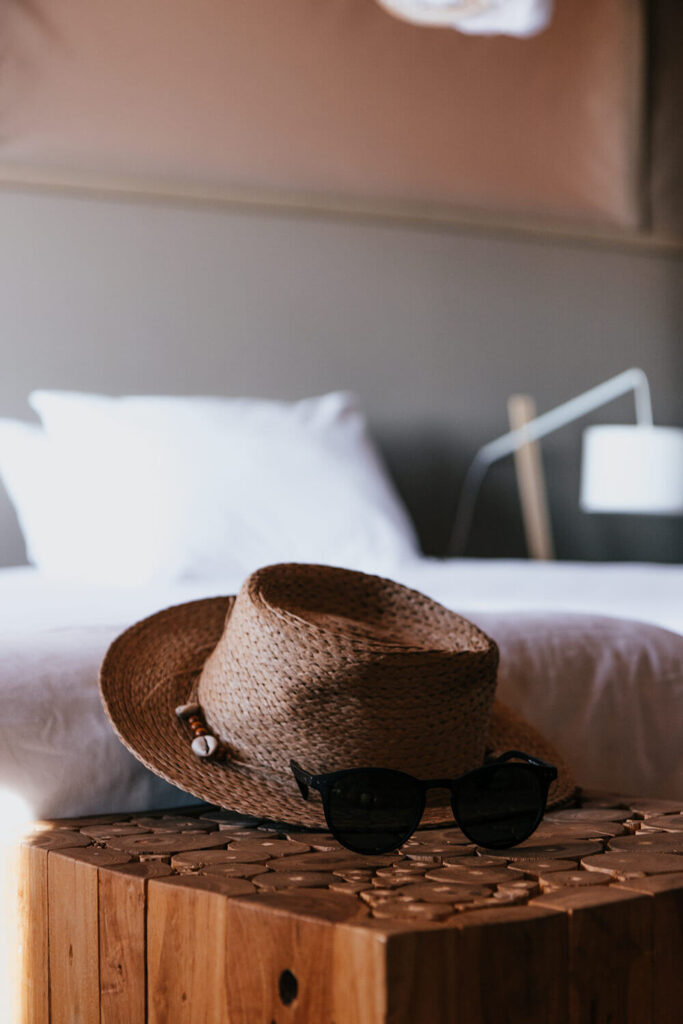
[(437, 792)]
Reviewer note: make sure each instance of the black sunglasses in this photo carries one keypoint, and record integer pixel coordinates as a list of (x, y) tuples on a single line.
[(374, 810)]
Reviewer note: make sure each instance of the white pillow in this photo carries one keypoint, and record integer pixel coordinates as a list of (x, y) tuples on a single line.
[(78, 521), (201, 487)]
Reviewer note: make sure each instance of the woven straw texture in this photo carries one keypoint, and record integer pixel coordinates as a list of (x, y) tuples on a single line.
[(335, 668)]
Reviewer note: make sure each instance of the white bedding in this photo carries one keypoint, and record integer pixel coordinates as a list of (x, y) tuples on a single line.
[(592, 654)]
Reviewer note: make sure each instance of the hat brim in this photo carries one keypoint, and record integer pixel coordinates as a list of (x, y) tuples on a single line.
[(150, 669)]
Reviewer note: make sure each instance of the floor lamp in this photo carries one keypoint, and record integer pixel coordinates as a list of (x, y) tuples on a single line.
[(635, 468)]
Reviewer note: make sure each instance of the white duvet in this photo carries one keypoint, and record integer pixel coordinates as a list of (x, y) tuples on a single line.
[(591, 654)]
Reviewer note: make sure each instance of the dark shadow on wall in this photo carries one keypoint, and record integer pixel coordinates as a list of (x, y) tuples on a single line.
[(419, 461), (428, 467)]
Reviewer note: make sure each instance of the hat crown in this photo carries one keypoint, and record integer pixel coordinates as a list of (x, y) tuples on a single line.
[(339, 669)]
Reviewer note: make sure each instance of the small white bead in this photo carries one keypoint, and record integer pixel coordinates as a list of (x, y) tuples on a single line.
[(185, 710), (205, 746)]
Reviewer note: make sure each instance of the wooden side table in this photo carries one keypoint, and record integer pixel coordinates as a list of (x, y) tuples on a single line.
[(201, 916)]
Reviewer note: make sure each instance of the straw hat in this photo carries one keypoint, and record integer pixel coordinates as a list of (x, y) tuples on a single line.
[(334, 668)]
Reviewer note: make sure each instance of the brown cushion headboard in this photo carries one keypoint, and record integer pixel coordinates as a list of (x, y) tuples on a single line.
[(329, 102)]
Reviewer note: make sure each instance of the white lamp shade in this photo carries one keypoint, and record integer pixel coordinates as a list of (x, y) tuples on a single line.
[(636, 469)]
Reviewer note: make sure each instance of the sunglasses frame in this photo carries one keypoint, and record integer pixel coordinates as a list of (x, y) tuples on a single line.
[(544, 772)]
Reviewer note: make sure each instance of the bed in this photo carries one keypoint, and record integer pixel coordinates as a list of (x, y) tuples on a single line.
[(129, 505)]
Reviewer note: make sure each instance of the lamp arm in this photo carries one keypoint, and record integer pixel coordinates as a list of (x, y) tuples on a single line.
[(630, 380)]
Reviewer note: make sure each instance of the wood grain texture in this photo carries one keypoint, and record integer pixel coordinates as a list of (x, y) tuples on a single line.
[(73, 940), (666, 892), (31, 991), (652, 842), (423, 981), (186, 944), (122, 949), (630, 865), (666, 822), (610, 954), (235, 976), (168, 842), (187, 926), (59, 839), (283, 944), (512, 966)]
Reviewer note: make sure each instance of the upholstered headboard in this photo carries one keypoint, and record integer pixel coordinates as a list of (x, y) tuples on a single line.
[(335, 104)]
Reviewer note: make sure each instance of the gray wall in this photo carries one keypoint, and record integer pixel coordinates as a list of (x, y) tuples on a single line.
[(433, 328)]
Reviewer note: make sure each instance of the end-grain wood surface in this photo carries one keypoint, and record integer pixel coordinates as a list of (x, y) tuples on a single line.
[(203, 916)]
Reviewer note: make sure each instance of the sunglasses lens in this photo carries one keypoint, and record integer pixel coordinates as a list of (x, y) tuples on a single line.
[(372, 811), (499, 805)]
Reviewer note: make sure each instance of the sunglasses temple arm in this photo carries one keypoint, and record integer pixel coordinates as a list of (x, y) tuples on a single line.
[(303, 778), (524, 757)]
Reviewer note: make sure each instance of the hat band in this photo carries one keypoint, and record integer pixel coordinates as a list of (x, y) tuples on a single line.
[(209, 748)]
